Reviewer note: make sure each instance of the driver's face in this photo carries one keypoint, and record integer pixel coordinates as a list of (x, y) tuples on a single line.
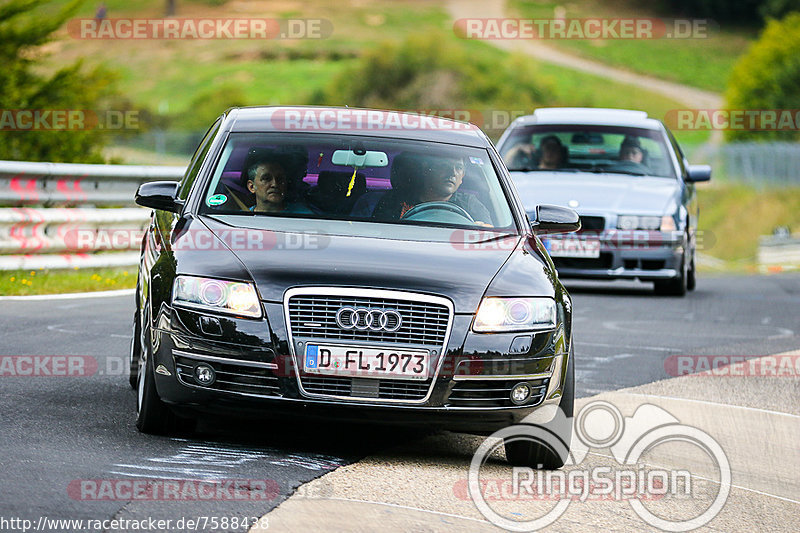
[(631, 153), (444, 177)]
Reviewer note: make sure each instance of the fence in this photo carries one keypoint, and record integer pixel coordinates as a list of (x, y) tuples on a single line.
[(774, 164), (46, 236)]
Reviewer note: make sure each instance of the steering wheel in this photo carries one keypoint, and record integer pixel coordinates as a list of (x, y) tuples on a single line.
[(446, 211), (629, 166)]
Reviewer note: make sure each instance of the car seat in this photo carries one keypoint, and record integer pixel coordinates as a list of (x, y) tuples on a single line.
[(330, 194)]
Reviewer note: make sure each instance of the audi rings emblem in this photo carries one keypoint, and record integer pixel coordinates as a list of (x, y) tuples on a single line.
[(363, 318)]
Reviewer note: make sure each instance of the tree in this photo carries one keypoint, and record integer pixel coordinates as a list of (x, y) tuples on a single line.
[(23, 88), (768, 75)]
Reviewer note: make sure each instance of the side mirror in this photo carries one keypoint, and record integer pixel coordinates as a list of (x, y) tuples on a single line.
[(697, 173), (552, 219), (159, 195)]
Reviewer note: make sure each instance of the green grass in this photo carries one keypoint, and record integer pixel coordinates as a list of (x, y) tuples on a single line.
[(702, 62), (166, 76), (28, 282), (757, 212)]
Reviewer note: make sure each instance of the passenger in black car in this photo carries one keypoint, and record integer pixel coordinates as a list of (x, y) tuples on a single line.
[(272, 178)]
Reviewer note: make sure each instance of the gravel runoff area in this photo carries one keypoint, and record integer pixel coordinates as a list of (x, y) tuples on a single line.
[(422, 486)]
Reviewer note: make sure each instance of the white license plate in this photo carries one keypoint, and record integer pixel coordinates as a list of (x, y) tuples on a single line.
[(364, 362), (573, 248)]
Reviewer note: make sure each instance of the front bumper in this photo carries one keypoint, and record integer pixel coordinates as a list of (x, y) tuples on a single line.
[(257, 375), (643, 255)]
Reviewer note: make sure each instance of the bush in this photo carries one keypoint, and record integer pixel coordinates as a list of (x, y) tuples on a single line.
[(23, 28), (207, 106), (768, 75), (428, 73)]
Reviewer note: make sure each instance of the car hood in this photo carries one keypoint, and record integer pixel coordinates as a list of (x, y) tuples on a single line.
[(440, 268), (616, 193)]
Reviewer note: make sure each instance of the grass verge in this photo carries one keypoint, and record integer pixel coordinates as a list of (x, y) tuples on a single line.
[(30, 282), (733, 217), (700, 62)]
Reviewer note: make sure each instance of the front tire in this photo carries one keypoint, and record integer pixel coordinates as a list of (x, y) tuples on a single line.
[(540, 455), (676, 286), (135, 352), (691, 279), (152, 415)]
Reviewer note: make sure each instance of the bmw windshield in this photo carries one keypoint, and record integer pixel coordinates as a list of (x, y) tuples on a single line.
[(588, 148)]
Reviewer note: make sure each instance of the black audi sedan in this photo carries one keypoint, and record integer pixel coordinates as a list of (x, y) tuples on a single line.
[(351, 264)]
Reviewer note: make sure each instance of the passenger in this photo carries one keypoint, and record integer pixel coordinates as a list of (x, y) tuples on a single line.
[(273, 178), (521, 157), (631, 150), (552, 154), (438, 181)]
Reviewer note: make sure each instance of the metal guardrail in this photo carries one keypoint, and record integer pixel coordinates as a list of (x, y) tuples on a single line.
[(69, 236), (760, 164), (778, 253), (23, 183), (36, 231)]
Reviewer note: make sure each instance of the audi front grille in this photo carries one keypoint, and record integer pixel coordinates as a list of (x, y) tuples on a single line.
[(424, 324)]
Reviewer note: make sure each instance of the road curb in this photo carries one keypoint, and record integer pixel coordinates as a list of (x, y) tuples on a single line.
[(67, 296)]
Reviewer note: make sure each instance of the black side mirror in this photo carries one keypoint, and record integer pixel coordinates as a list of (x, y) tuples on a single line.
[(552, 219), (697, 173), (159, 195)]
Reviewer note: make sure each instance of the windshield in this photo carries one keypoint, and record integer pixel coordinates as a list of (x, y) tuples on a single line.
[(365, 179), (581, 148)]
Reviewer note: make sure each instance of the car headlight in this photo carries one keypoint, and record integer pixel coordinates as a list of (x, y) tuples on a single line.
[(514, 314), (635, 222), (232, 297)]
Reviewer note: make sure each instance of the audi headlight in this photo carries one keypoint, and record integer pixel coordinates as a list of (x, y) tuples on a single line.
[(233, 297), (515, 314), (635, 222)]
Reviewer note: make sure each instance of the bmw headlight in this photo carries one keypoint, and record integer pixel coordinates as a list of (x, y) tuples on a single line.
[(232, 297), (636, 222), (515, 314)]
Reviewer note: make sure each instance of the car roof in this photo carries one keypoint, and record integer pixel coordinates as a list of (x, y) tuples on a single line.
[(356, 121), (590, 116)]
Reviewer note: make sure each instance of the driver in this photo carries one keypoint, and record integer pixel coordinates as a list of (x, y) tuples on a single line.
[(631, 150), (438, 180)]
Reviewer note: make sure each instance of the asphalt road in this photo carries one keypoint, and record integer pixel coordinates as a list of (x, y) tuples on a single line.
[(58, 431)]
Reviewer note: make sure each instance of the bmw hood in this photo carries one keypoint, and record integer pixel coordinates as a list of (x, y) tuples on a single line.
[(616, 193), (445, 267)]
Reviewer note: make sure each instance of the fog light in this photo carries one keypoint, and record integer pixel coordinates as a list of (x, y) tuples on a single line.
[(520, 393), (204, 375)]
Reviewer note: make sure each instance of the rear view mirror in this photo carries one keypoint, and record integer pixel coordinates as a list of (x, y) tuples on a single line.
[(159, 195), (359, 158), (698, 173), (552, 219)]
